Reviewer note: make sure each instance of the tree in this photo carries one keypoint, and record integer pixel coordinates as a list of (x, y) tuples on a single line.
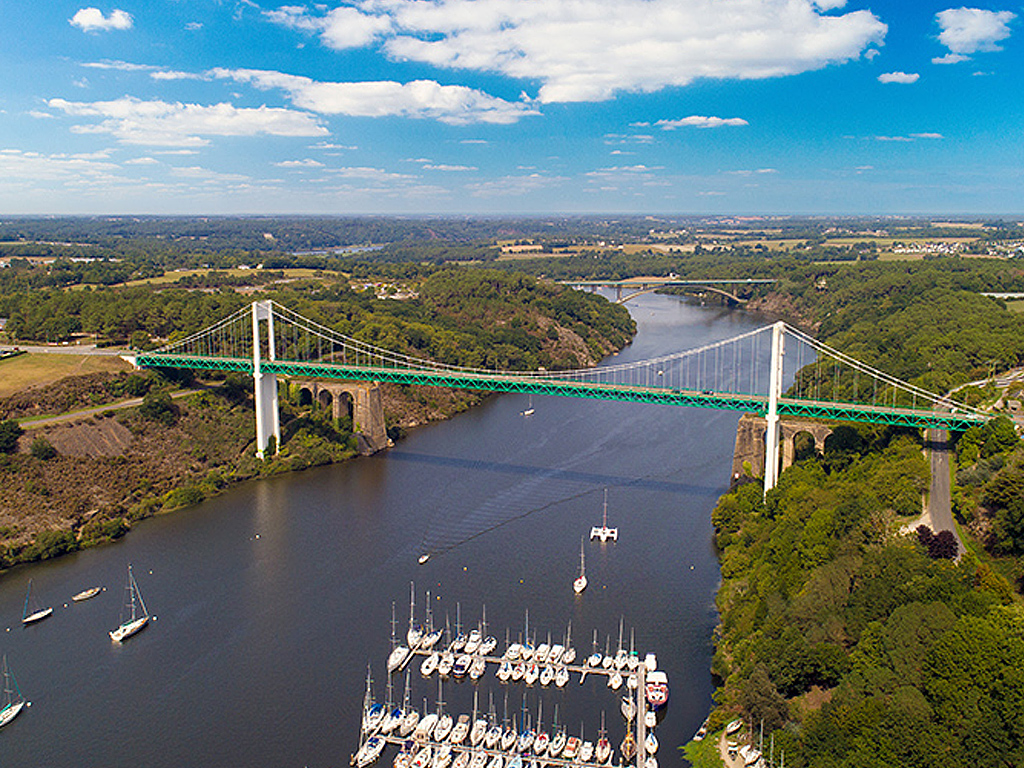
[(10, 431)]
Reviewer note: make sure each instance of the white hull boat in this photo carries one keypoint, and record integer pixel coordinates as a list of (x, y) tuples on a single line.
[(134, 605)]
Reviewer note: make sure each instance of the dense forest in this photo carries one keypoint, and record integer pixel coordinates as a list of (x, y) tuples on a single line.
[(857, 645)]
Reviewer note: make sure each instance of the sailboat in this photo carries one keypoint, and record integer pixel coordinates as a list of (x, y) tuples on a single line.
[(581, 581), (13, 700), (604, 532), (135, 606), (529, 408), (33, 614)]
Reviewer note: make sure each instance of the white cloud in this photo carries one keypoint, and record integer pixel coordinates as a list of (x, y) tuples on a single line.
[(307, 163), (172, 74), (892, 138), (192, 26), (700, 121), (161, 123), (18, 165), (142, 161), (329, 145), (453, 104), (969, 30), (926, 135), (899, 77), (451, 168), (123, 66), (950, 58), (588, 50), (93, 20), (39, 115), (754, 172)]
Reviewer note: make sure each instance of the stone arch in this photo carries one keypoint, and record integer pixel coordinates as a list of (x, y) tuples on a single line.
[(325, 398), (305, 396), (750, 441), (356, 399)]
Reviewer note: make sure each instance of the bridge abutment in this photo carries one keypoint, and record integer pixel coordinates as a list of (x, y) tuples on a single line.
[(751, 443), (368, 424)]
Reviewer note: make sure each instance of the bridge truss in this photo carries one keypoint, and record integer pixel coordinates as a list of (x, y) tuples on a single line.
[(774, 371)]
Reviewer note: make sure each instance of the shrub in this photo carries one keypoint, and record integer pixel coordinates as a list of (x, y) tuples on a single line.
[(42, 449)]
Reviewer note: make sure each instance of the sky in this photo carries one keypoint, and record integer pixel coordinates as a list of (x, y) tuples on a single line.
[(533, 107)]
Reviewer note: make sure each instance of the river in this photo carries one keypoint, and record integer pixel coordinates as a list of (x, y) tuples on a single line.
[(270, 600)]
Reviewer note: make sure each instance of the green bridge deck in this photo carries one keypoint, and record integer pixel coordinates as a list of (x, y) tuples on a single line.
[(873, 414)]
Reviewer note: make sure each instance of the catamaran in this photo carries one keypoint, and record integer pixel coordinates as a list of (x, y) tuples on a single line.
[(134, 606), (581, 581), (13, 700), (604, 532)]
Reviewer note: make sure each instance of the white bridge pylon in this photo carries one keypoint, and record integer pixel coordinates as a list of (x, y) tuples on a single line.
[(268, 419), (773, 371)]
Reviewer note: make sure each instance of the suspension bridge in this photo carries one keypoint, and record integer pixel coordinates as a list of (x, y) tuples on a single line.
[(774, 371)]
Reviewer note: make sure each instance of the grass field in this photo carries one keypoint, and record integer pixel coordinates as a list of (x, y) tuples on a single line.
[(24, 371), (173, 277), (1016, 305)]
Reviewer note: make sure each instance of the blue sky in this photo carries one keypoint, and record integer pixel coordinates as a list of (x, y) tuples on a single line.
[(511, 107)]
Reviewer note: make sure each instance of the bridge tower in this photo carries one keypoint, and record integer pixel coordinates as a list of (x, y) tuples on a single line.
[(772, 433), (268, 421)]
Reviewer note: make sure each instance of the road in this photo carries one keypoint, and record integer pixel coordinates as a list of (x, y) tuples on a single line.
[(32, 423), (939, 502), (67, 349)]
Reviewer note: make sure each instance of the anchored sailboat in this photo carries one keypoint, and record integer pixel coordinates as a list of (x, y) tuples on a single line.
[(581, 581), (604, 532), (32, 613), (134, 606), (13, 700)]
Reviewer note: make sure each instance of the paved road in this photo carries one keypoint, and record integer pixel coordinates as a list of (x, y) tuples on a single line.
[(939, 502), (32, 423), (68, 349)]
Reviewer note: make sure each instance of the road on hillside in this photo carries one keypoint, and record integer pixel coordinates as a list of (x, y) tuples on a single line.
[(939, 502)]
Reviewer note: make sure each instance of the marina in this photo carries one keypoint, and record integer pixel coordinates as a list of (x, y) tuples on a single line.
[(438, 739)]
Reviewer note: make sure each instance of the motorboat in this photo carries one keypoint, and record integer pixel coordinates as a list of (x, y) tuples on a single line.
[(424, 757), (555, 654), (615, 680), (656, 689), (85, 594), (532, 674), (487, 645), (571, 748)]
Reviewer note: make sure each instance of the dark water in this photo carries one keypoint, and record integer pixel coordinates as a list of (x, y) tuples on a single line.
[(271, 600)]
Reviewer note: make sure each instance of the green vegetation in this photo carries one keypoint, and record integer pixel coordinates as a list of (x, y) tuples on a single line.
[(845, 638)]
